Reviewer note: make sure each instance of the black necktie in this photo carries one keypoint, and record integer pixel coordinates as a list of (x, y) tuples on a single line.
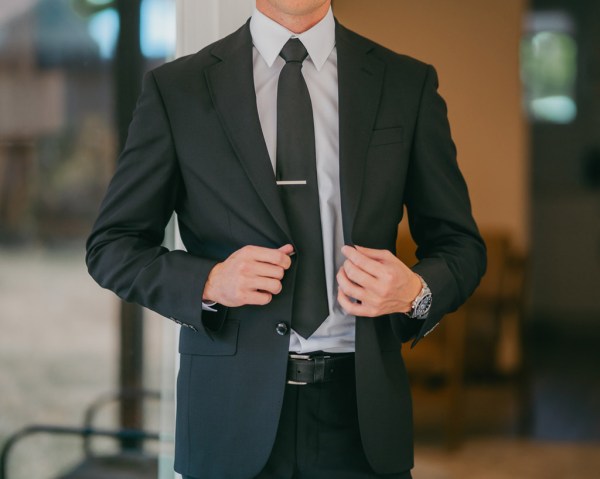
[(296, 172)]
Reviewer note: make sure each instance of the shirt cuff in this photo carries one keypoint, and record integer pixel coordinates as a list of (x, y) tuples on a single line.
[(209, 306)]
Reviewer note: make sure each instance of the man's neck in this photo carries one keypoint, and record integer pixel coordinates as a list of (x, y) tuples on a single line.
[(294, 21)]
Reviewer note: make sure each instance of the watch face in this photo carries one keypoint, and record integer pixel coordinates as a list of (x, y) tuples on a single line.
[(423, 307)]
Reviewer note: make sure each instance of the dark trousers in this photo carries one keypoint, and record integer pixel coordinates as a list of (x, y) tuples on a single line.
[(318, 435)]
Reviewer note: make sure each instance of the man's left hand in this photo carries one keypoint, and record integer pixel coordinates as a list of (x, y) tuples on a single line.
[(377, 281)]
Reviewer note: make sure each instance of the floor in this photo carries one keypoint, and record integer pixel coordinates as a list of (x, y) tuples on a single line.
[(564, 436), (565, 365), (502, 458)]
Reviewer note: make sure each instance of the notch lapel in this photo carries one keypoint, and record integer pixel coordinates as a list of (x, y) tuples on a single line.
[(231, 86), (360, 80)]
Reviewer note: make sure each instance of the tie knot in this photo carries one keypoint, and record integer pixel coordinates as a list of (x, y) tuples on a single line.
[(293, 51)]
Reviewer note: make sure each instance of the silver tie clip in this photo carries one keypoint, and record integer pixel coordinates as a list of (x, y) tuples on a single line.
[(287, 183)]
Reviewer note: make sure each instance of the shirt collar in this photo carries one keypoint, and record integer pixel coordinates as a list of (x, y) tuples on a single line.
[(269, 37)]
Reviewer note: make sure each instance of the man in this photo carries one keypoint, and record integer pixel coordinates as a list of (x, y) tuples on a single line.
[(288, 151)]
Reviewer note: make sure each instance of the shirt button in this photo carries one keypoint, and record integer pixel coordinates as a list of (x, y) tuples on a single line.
[(282, 329)]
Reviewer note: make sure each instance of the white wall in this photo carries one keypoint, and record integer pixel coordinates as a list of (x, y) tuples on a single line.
[(201, 22), (474, 46)]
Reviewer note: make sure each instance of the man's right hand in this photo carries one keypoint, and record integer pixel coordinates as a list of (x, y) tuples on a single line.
[(251, 275)]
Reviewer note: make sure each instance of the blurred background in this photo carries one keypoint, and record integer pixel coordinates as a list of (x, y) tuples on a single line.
[(508, 386)]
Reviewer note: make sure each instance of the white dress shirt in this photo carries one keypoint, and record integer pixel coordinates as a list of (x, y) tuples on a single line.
[(336, 333)]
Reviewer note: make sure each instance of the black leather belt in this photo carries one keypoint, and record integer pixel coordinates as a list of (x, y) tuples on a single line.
[(318, 368)]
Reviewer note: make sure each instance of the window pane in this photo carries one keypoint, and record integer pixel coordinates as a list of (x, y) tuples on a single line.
[(549, 70), (58, 147)]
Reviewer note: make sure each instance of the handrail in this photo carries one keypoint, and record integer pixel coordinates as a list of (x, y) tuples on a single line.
[(94, 407), (85, 432)]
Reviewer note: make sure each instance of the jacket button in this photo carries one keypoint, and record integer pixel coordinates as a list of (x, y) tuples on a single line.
[(282, 329)]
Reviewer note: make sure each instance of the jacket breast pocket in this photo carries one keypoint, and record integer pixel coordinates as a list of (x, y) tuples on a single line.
[(386, 136), (220, 343)]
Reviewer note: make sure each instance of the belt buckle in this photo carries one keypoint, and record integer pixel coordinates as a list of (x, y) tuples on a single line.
[(303, 357)]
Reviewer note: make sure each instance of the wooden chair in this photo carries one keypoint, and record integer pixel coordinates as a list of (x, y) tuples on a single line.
[(471, 343)]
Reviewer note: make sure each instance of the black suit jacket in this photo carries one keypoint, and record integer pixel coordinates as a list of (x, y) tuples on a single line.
[(195, 147)]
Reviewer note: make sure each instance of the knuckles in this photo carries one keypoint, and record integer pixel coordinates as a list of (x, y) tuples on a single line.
[(243, 268), (248, 249), (265, 299), (349, 267)]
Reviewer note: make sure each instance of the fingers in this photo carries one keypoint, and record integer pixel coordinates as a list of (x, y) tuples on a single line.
[(357, 275), (256, 298), (278, 257), (374, 282), (346, 303), (287, 249), (355, 299), (251, 275), (348, 287), (361, 260), (356, 308), (376, 254), (267, 285), (266, 270), (370, 283)]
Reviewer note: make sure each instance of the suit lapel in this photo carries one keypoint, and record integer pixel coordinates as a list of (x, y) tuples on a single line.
[(231, 85), (360, 79)]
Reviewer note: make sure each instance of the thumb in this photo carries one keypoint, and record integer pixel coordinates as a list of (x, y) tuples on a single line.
[(377, 254), (287, 249)]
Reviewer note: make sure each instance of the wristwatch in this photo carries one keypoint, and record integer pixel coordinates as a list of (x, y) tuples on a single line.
[(422, 303)]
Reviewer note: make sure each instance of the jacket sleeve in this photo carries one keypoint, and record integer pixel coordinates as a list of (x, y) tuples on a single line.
[(124, 252), (450, 250)]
